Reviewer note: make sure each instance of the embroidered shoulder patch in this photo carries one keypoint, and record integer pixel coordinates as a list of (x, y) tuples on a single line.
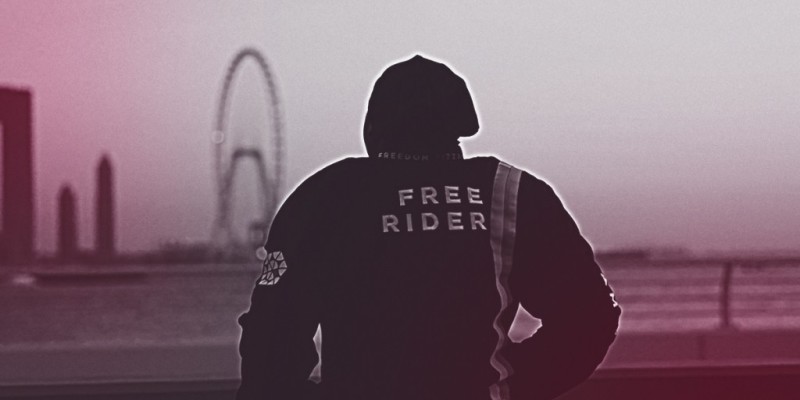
[(274, 267)]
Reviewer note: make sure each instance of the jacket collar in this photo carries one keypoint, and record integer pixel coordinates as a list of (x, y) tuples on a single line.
[(451, 155)]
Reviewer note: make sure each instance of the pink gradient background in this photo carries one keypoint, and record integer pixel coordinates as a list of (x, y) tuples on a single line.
[(660, 124)]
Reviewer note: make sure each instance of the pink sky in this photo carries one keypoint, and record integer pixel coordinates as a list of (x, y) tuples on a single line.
[(659, 124)]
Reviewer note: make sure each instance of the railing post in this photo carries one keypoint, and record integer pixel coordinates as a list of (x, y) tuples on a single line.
[(725, 296)]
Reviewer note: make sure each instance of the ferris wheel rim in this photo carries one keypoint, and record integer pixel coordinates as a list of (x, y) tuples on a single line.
[(219, 138)]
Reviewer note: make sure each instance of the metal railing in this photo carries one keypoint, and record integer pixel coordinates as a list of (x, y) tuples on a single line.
[(644, 282)]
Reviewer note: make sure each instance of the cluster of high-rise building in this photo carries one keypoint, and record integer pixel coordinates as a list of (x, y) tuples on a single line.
[(104, 248), (17, 233)]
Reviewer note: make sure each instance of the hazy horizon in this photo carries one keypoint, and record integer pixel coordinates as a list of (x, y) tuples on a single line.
[(659, 124)]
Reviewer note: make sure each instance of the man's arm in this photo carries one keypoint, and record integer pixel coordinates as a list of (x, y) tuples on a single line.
[(277, 346), (555, 277)]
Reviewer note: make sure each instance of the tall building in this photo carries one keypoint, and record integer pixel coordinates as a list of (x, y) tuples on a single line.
[(67, 225), (17, 209), (104, 210)]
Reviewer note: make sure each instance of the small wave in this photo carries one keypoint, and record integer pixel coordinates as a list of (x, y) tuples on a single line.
[(23, 280)]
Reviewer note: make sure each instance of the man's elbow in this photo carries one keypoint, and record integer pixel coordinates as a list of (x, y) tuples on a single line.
[(606, 321), (603, 332), (595, 329)]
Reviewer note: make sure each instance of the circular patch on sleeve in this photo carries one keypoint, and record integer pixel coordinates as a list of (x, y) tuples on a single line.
[(274, 268)]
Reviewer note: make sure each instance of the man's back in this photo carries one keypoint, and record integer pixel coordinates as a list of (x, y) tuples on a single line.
[(413, 282), (415, 270)]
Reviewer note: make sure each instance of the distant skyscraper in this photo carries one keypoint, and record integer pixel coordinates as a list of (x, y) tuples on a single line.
[(104, 217), (67, 225), (17, 208)]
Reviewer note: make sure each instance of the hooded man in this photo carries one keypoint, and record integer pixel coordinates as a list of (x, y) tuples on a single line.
[(414, 261)]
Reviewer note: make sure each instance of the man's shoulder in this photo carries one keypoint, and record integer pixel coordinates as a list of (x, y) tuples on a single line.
[(321, 180), (527, 177), (332, 169), (533, 188)]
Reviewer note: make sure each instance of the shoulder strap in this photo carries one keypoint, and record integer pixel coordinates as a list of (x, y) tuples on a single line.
[(502, 233)]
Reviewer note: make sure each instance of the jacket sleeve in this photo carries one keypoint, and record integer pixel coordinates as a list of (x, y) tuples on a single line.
[(277, 347), (556, 278)]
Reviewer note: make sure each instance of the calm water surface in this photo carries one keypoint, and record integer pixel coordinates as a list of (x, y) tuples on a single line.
[(200, 303)]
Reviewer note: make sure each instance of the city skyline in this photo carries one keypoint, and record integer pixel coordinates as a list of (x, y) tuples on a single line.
[(676, 125)]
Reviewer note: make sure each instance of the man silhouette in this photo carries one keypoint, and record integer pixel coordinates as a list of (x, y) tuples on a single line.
[(414, 261)]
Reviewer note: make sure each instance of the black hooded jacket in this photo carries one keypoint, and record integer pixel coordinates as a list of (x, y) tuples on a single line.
[(414, 261)]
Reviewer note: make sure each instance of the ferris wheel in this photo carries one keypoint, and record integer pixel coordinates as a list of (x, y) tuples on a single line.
[(267, 154)]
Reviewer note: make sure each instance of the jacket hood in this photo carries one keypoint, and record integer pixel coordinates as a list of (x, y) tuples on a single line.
[(418, 106)]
